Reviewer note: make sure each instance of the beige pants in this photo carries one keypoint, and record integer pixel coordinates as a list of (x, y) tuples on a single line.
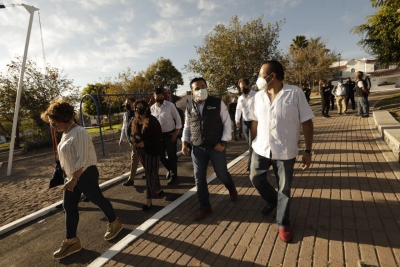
[(134, 162), (341, 104)]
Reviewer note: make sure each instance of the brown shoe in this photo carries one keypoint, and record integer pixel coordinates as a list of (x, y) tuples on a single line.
[(202, 213), (67, 248), (233, 194)]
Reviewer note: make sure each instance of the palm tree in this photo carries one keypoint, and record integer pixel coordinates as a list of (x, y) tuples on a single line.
[(299, 42)]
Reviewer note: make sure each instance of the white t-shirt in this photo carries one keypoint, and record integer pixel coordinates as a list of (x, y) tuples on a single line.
[(279, 122)]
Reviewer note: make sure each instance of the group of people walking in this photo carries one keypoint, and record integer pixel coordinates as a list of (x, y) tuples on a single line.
[(270, 118), (343, 93)]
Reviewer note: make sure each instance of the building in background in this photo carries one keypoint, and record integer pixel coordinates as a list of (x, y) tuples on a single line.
[(382, 77)]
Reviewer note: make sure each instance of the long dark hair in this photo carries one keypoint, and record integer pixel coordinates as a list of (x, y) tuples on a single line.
[(135, 123)]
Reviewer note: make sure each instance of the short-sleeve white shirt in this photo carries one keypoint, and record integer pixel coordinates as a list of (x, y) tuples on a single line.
[(279, 122)]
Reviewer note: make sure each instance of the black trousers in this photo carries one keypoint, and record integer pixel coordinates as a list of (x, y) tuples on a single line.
[(325, 105), (353, 102)]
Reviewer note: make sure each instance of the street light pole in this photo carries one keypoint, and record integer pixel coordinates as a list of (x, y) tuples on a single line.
[(339, 64), (31, 10)]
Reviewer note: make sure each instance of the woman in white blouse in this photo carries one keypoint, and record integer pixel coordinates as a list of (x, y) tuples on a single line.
[(78, 160)]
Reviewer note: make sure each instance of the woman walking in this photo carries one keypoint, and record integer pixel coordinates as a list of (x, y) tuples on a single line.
[(146, 134), (78, 160)]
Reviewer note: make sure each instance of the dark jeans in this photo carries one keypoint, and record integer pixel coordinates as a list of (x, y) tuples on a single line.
[(235, 129), (283, 170), (332, 98), (170, 147), (325, 106), (353, 102), (247, 134), (200, 157), (88, 184), (363, 105)]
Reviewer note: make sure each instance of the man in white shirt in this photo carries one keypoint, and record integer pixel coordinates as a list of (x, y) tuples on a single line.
[(168, 116), (125, 132), (245, 110), (208, 128), (279, 111), (340, 93)]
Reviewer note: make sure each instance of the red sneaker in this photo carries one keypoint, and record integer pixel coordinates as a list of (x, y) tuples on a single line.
[(286, 234)]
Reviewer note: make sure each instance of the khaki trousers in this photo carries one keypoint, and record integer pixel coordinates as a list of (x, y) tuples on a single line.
[(134, 162), (341, 104)]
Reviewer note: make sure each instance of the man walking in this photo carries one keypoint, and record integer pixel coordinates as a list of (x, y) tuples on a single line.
[(208, 128), (279, 109), (125, 133), (168, 116), (340, 93), (362, 95), (245, 110)]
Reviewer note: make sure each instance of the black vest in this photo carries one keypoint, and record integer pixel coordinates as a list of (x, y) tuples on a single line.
[(205, 129), (359, 91)]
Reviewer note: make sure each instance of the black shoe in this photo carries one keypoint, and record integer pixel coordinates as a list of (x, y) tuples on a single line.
[(365, 116), (161, 193), (327, 116), (144, 177), (85, 199), (172, 180), (146, 208), (268, 209), (128, 183)]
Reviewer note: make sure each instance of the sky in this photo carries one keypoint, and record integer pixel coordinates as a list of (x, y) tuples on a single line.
[(90, 40)]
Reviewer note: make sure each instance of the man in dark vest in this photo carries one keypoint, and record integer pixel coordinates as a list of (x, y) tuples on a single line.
[(208, 128), (350, 93), (362, 95)]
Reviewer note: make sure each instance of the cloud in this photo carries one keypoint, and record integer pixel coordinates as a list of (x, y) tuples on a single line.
[(168, 9), (347, 18), (280, 6), (127, 15), (99, 23)]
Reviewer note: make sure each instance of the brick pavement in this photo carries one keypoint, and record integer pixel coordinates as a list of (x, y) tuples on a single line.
[(345, 212)]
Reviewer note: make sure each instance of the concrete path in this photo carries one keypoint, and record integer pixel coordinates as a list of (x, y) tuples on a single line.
[(345, 212)]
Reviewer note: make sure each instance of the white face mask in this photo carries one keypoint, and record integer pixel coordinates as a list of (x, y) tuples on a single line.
[(262, 83), (201, 94)]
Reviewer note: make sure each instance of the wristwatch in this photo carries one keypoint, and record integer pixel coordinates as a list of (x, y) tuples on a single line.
[(308, 151), (223, 143)]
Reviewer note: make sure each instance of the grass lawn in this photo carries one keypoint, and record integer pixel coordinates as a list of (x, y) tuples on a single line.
[(391, 104)]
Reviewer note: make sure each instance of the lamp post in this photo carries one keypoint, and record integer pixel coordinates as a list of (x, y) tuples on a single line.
[(31, 10), (339, 64)]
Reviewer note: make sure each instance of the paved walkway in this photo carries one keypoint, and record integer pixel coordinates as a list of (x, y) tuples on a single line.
[(345, 212)]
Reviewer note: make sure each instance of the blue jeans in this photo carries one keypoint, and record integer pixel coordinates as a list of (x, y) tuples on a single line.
[(171, 163), (283, 170), (200, 157), (247, 134), (363, 105), (88, 184)]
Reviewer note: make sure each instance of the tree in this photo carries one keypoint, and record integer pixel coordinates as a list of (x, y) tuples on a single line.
[(164, 73), (381, 35), (234, 51), (38, 90), (306, 64), (89, 107), (378, 3), (299, 42)]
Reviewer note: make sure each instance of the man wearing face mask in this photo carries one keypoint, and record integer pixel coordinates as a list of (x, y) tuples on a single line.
[(208, 128), (279, 111), (125, 133), (170, 120), (245, 110)]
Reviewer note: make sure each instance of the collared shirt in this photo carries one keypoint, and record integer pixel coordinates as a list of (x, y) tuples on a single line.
[(279, 122), (245, 107), (76, 151), (226, 121), (167, 115)]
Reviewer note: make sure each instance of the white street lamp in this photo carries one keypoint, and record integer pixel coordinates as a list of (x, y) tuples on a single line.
[(31, 10)]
